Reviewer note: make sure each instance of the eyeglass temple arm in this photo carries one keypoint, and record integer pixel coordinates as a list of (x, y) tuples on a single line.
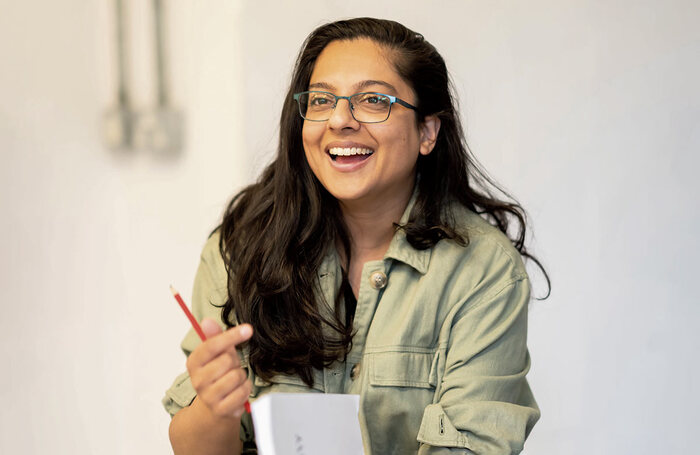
[(404, 104)]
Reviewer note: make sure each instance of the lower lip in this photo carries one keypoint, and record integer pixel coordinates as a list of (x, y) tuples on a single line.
[(349, 164)]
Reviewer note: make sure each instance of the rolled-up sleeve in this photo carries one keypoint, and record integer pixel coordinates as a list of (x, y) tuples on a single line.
[(483, 402)]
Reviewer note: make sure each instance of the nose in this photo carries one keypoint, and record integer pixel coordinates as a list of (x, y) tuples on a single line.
[(341, 116)]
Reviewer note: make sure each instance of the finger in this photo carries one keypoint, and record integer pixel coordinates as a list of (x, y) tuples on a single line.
[(210, 327), (215, 346), (225, 385), (232, 404), (211, 372), (239, 333)]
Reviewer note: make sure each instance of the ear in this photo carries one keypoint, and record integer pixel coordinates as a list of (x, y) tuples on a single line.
[(429, 130)]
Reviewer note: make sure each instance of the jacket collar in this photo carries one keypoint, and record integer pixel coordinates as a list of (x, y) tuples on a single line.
[(401, 250)]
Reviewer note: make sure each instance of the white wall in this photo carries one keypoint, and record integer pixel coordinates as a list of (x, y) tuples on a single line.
[(587, 110)]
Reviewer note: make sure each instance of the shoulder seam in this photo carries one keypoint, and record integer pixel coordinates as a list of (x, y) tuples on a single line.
[(499, 290)]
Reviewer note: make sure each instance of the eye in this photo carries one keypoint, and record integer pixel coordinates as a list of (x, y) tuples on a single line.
[(373, 99), (372, 102), (319, 100)]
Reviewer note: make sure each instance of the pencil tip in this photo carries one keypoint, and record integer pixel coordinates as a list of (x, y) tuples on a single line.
[(172, 289)]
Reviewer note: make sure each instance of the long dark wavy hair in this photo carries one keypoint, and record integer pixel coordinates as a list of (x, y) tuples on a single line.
[(276, 232)]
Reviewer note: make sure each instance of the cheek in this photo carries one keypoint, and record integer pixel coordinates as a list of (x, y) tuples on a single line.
[(408, 143), (404, 135), (311, 137)]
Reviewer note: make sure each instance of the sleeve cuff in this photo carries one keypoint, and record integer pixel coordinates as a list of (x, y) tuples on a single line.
[(179, 395), (436, 429)]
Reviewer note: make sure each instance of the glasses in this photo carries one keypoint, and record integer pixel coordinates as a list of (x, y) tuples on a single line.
[(366, 107)]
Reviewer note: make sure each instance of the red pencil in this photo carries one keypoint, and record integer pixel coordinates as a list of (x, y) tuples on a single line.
[(195, 325)]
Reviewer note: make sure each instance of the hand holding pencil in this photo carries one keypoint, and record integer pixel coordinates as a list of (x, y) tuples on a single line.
[(215, 369)]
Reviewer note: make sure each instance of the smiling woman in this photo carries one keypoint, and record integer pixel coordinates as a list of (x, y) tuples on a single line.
[(371, 257)]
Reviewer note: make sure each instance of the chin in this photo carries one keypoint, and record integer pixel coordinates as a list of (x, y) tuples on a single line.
[(346, 196), (347, 193)]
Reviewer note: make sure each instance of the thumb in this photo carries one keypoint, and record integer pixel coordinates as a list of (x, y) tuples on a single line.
[(210, 327)]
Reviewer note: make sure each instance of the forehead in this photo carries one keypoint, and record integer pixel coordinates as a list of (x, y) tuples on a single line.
[(344, 66)]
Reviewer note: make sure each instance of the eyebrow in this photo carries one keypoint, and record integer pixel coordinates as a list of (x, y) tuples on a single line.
[(359, 86)]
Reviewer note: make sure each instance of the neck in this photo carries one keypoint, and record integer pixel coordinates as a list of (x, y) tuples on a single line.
[(371, 226)]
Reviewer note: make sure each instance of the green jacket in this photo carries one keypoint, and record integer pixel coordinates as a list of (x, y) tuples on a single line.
[(439, 358)]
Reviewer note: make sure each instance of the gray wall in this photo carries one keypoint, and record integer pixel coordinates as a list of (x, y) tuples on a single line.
[(588, 111)]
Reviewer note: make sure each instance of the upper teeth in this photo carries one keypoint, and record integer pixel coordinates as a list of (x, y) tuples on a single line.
[(349, 151)]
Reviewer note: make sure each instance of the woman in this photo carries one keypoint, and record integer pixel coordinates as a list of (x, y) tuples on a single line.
[(370, 258)]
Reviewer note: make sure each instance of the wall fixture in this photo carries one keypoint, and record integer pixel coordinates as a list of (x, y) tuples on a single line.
[(157, 129)]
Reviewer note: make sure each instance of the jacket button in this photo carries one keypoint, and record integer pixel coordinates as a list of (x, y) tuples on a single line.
[(378, 279), (354, 371)]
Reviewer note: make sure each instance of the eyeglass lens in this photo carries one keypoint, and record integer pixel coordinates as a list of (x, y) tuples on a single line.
[(365, 107)]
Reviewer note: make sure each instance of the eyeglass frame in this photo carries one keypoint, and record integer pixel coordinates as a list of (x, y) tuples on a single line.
[(392, 99)]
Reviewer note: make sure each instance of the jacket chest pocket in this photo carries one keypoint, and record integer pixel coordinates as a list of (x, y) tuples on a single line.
[(400, 385)]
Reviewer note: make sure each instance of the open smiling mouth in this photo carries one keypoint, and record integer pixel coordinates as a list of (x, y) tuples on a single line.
[(349, 155)]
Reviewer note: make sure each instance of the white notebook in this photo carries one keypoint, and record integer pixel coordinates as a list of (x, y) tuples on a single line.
[(307, 424)]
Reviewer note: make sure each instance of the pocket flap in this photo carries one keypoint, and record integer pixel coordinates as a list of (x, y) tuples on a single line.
[(401, 369), (182, 393)]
